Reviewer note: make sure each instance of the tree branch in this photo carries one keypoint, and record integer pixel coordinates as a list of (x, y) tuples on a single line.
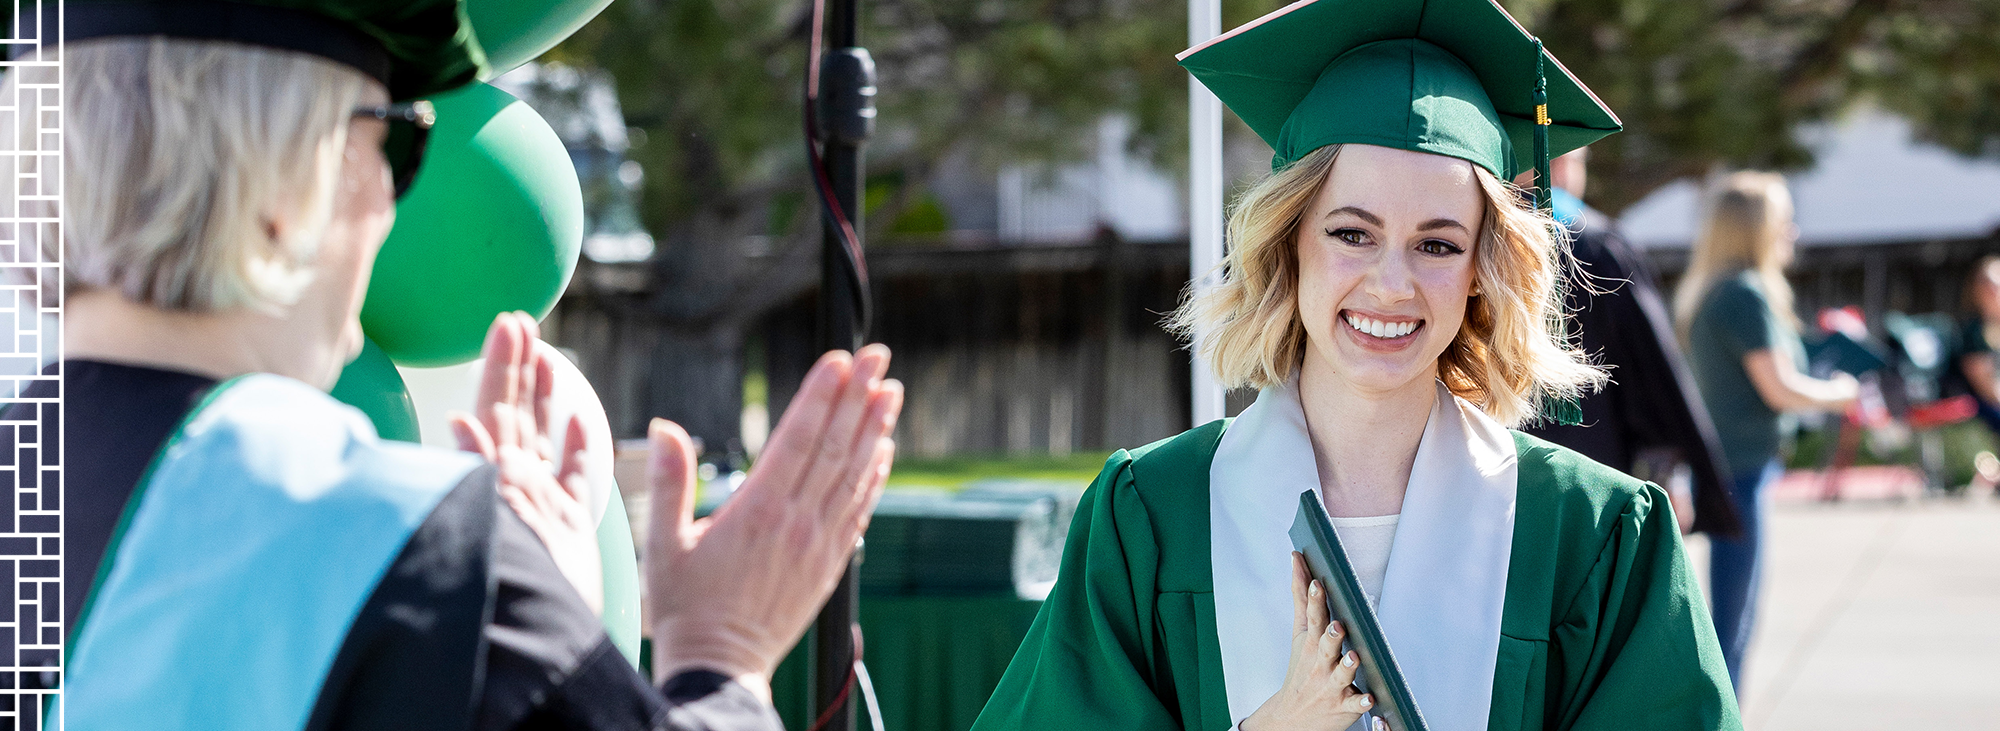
[(1822, 60)]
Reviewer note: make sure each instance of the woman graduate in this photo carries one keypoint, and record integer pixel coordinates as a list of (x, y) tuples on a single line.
[(261, 559), (1398, 306)]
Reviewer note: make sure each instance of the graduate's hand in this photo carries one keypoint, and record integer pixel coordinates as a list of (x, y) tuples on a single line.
[(512, 432), (1319, 690), (733, 592)]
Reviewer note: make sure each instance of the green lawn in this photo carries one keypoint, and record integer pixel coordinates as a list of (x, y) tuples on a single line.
[(955, 472)]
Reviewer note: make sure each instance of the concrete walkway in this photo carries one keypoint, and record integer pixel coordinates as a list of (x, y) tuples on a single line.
[(1877, 615)]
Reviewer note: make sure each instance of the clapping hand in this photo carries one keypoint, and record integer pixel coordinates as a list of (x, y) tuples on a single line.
[(513, 432), (733, 592)]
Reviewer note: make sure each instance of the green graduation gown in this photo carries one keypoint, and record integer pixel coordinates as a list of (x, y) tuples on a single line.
[(1602, 627)]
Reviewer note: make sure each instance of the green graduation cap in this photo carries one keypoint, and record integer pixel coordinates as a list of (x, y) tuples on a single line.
[(1450, 77), (414, 47)]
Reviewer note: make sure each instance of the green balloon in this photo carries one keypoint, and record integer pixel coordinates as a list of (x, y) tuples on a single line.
[(371, 384), (492, 223), (621, 578), (514, 32)]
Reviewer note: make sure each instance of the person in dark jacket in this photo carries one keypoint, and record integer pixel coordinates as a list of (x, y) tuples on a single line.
[(1620, 319), (1974, 368), (241, 551)]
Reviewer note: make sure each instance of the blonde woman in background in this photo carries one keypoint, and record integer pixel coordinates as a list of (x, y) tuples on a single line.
[(1734, 310)]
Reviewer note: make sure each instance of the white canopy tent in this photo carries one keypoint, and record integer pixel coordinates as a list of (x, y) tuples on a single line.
[(1872, 184)]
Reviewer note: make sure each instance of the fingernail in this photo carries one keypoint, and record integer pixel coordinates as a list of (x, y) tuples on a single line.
[(1314, 589), (1367, 700), (1334, 628), (1347, 660)]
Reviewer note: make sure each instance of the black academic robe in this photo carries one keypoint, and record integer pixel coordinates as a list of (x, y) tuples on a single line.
[(1619, 318), (472, 626)]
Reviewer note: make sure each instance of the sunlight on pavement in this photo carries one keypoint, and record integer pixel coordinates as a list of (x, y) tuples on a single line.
[(1876, 615)]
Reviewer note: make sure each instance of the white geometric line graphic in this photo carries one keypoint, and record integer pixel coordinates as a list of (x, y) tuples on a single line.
[(31, 275)]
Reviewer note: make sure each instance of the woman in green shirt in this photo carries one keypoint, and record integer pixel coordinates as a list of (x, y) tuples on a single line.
[(1398, 306), (1735, 313)]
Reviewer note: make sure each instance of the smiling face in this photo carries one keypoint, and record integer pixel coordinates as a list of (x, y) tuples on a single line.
[(1385, 254)]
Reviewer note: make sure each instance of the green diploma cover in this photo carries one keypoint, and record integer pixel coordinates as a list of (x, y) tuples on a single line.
[(1312, 534)]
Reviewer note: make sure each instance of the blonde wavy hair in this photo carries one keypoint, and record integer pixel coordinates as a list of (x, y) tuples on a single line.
[(1747, 213), (1511, 353), (180, 156)]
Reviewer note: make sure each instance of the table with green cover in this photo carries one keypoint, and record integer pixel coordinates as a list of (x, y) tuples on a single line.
[(950, 582), (934, 660)]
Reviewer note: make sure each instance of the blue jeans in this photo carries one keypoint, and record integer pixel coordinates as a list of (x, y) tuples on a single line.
[(1734, 567), (1990, 414)]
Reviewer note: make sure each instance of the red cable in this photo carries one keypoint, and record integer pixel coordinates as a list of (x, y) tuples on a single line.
[(822, 182), (856, 263), (840, 701)]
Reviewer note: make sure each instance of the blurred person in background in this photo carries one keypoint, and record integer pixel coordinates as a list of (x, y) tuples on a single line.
[(261, 558), (1621, 321), (1975, 363), (1734, 311)]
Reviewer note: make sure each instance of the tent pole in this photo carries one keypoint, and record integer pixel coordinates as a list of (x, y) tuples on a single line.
[(846, 115), (1204, 199)]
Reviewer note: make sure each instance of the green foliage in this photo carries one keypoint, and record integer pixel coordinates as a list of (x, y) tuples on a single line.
[(1698, 83), (1942, 70), (925, 216), (1705, 83), (1961, 442), (714, 87), (917, 213)]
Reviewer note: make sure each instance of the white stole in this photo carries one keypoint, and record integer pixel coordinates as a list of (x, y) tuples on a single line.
[(1446, 582)]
